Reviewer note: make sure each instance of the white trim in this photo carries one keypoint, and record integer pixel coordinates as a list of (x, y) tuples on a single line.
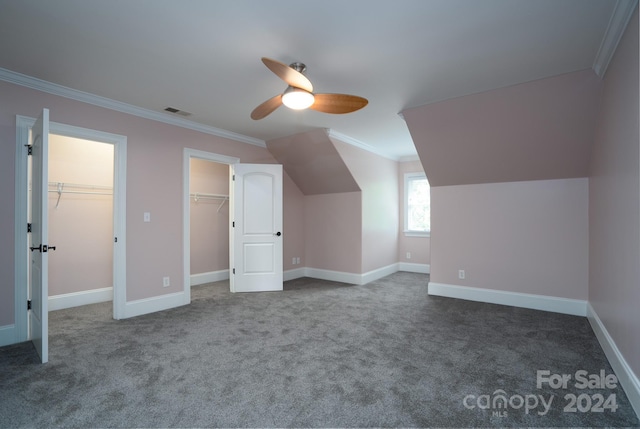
[(76, 299), (378, 273), (625, 374), (107, 103), (187, 154), (119, 142), (351, 278), (622, 13), (409, 158), (414, 268), (7, 335), (334, 276), (293, 274), (423, 234), (357, 143), (208, 277), (153, 304), (575, 307), (21, 255)]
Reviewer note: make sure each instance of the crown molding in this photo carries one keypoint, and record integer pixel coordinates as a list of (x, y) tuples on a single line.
[(622, 13), (357, 143), (107, 103)]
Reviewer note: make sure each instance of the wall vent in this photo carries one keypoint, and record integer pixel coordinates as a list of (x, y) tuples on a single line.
[(177, 111)]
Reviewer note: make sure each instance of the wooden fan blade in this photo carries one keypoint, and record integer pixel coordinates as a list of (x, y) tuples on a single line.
[(267, 107), (338, 103), (289, 75)]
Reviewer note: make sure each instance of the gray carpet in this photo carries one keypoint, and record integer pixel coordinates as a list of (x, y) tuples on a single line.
[(319, 354)]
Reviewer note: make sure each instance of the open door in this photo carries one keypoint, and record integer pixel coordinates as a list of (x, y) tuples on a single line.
[(39, 262), (256, 227)]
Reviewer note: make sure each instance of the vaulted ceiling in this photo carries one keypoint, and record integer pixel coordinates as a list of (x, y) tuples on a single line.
[(203, 56)]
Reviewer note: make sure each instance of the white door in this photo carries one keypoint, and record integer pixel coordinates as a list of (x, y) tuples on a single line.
[(39, 291), (256, 227)]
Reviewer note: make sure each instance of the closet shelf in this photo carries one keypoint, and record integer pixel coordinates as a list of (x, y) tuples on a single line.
[(76, 188), (203, 196)]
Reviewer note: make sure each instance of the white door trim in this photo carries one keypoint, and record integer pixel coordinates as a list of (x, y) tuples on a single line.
[(23, 125), (188, 154)]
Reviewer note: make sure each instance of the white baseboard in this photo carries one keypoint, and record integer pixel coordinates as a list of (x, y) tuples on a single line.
[(379, 273), (153, 304), (554, 304), (414, 268), (354, 278), (76, 299), (208, 277), (7, 335), (334, 276), (628, 380), (296, 273)]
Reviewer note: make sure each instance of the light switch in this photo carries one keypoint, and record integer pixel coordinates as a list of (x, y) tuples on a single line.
[(147, 216)]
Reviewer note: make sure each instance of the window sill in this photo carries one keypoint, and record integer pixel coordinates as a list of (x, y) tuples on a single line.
[(417, 233)]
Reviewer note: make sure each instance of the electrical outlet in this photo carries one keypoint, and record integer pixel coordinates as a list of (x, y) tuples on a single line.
[(166, 282), (461, 274), (408, 255), (147, 216), (297, 261), (293, 261)]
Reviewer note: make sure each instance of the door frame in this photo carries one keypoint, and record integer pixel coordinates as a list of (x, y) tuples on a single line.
[(119, 142), (189, 154)]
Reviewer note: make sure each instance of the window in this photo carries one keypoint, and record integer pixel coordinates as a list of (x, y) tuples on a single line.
[(417, 205)]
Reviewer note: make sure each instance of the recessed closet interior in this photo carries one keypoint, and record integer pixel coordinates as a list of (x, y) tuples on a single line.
[(80, 197), (209, 221)]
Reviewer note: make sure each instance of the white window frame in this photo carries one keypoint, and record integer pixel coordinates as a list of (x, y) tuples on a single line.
[(407, 232)]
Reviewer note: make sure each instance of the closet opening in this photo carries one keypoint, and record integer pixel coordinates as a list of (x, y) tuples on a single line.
[(206, 219), (81, 221), (209, 221)]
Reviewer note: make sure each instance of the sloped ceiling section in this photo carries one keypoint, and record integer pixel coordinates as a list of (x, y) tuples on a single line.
[(533, 131), (313, 163)]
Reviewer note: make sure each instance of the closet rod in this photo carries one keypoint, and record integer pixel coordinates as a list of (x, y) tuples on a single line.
[(198, 195), (60, 189), (78, 185)]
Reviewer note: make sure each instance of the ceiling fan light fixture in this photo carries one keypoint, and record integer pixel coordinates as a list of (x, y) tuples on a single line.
[(297, 99)]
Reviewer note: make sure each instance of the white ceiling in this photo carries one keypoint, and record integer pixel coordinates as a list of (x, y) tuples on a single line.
[(203, 56)]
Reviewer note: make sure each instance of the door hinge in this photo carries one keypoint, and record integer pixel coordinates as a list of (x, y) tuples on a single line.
[(115, 240), (28, 304), (28, 227), (233, 224), (29, 150), (234, 271), (233, 178)]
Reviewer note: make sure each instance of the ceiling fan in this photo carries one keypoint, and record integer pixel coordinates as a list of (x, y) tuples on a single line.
[(299, 94)]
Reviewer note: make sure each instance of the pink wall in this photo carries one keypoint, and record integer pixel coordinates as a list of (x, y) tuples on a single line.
[(376, 176), (528, 237), (154, 184), (313, 163), (614, 212), (81, 227), (333, 232), (533, 131), (294, 224), (209, 219), (419, 247)]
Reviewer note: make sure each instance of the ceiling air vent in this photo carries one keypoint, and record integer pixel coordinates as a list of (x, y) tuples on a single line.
[(177, 111)]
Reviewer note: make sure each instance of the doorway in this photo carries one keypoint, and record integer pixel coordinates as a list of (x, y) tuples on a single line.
[(117, 144), (205, 211), (80, 212), (209, 221)]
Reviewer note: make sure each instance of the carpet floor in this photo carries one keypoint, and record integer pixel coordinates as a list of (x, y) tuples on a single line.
[(318, 354)]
